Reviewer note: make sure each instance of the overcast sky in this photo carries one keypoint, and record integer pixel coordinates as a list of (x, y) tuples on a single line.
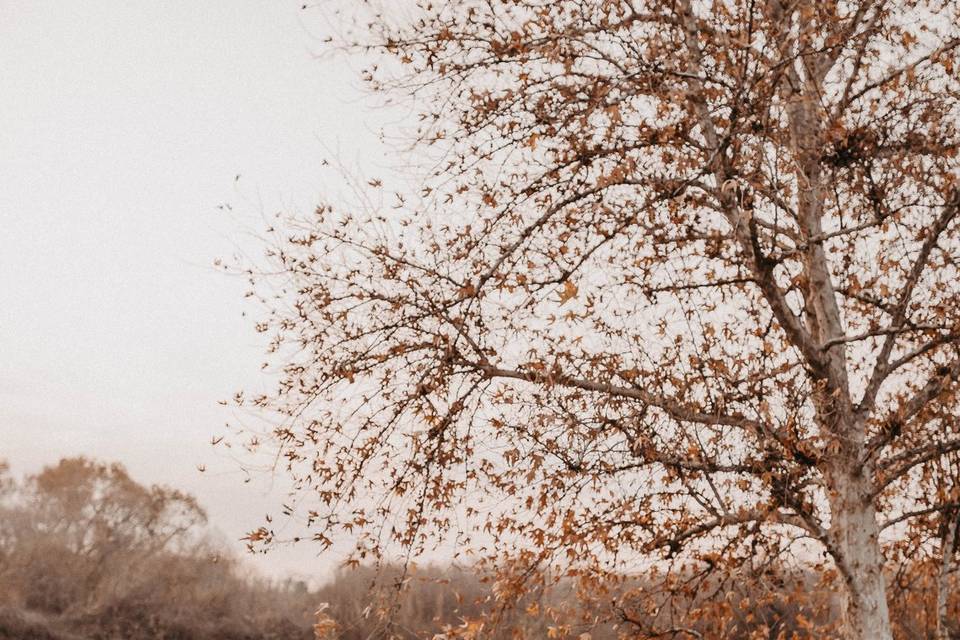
[(124, 126)]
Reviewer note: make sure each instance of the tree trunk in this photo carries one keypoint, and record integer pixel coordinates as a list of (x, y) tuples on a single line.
[(856, 534), (943, 577)]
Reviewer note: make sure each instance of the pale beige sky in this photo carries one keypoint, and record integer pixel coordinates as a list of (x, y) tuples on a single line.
[(124, 125)]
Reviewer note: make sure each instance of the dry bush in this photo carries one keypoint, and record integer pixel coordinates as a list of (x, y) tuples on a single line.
[(86, 550), (409, 604)]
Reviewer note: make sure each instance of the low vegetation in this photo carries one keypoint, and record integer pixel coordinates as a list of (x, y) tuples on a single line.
[(87, 553)]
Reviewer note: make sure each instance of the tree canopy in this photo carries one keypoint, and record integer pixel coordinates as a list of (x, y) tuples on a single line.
[(679, 296)]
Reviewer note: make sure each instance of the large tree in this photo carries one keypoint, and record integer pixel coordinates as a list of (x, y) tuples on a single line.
[(680, 291)]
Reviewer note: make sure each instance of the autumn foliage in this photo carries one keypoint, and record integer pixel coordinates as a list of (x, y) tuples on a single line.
[(675, 299), (86, 552)]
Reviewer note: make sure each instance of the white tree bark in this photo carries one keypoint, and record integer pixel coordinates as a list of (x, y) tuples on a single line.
[(946, 561), (856, 534)]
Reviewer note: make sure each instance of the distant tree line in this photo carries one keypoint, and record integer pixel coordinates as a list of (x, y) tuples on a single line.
[(88, 553)]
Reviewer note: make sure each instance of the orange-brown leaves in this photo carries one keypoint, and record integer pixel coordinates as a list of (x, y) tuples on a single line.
[(568, 292), (679, 269)]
